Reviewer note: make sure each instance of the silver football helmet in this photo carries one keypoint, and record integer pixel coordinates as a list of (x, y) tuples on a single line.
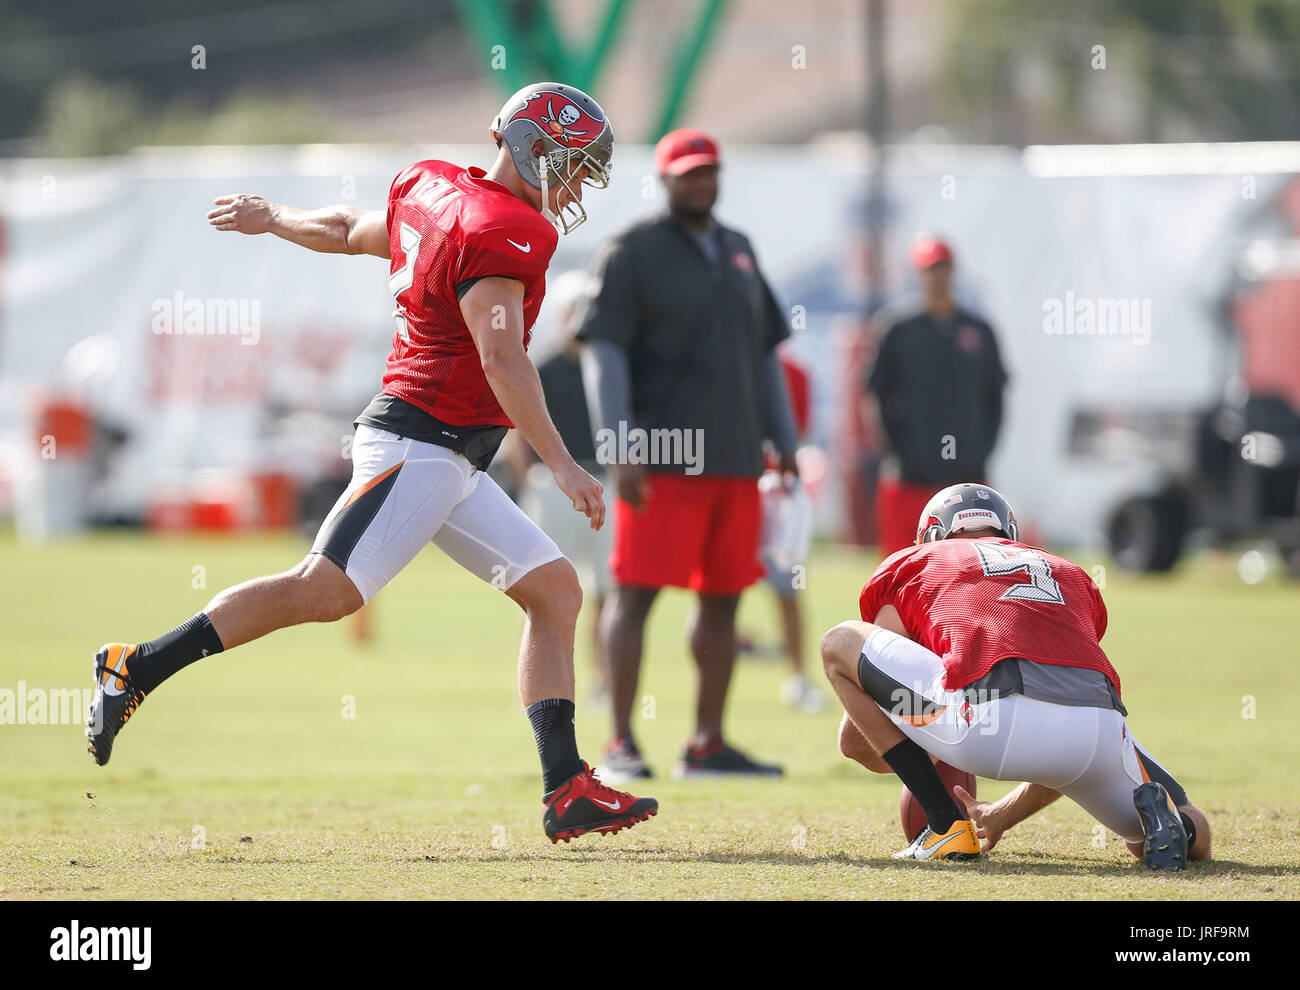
[(551, 129)]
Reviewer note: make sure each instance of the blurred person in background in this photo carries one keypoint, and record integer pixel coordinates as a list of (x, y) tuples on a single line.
[(938, 382), (538, 494), (681, 334), (784, 573)]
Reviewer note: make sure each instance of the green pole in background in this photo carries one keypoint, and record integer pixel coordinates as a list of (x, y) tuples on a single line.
[(534, 48), (586, 68), (533, 45), (552, 55), (489, 26), (684, 70)]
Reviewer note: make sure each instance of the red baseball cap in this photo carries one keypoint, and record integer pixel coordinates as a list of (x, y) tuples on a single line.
[(928, 251), (686, 148)]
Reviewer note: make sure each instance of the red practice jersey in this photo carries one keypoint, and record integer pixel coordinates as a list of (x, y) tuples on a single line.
[(447, 226), (975, 602)]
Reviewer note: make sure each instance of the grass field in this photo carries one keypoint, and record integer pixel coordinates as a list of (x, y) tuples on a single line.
[(241, 778)]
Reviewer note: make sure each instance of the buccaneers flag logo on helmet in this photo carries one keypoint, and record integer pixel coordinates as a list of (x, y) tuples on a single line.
[(563, 124)]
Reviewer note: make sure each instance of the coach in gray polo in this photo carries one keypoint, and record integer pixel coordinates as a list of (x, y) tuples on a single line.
[(684, 385)]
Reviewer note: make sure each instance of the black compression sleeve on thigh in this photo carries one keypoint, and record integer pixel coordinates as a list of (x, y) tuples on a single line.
[(913, 766), (1189, 827), (1162, 777), (891, 695)]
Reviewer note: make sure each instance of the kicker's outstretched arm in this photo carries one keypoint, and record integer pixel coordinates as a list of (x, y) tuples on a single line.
[(330, 230)]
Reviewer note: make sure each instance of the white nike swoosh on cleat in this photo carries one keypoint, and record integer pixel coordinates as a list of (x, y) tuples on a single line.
[(612, 807), (918, 850), (937, 848)]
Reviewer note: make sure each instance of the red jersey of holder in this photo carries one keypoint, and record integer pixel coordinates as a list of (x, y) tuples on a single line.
[(448, 226), (975, 602)]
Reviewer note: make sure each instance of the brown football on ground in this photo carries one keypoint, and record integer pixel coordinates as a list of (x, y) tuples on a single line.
[(910, 810)]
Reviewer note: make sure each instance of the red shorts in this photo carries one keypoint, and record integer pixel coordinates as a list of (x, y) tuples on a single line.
[(898, 509), (699, 532)]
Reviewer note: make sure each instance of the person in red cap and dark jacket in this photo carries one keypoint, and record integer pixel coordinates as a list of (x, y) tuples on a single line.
[(938, 382), (680, 336)]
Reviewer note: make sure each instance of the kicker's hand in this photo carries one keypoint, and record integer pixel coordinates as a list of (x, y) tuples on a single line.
[(242, 212), (584, 491), (988, 824)]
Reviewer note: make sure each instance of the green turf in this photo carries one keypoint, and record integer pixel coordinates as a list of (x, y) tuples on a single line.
[(432, 790)]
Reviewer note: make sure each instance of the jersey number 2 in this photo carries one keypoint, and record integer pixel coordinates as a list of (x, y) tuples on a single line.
[(999, 561), (404, 277)]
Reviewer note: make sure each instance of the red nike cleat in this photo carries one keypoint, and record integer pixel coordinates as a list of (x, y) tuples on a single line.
[(583, 804)]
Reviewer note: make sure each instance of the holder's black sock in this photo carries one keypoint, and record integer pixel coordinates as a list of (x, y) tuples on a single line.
[(913, 766), (158, 659), (552, 721)]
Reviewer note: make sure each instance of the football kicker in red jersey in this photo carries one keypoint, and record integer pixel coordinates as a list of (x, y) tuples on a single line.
[(468, 251)]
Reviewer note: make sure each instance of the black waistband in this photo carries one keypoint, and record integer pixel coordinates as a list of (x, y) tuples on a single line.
[(478, 444), (1005, 678)]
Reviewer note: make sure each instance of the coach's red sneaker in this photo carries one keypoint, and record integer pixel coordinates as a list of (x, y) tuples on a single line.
[(583, 804)]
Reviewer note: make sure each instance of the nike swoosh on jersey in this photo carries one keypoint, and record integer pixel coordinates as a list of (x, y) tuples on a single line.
[(524, 247)]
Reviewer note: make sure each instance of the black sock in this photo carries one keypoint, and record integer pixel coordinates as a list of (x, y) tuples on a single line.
[(158, 659), (552, 721), (1189, 827), (913, 766)]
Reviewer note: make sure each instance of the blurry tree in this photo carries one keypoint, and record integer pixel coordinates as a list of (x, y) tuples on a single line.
[(86, 75), (86, 116), (1193, 69), (249, 116)]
